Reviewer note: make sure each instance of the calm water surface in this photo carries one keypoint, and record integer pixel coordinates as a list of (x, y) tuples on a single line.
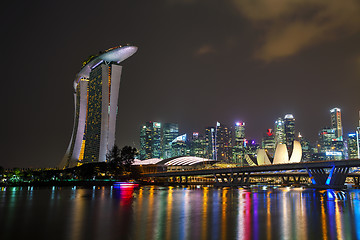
[(153, 212)]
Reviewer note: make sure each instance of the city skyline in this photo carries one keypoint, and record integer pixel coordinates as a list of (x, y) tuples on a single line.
[(230, 143), (225, 62)]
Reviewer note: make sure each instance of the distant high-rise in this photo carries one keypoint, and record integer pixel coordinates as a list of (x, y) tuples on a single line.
[(178, 146), (170, 132), (210, 143), (331, 148), (96, 105), (223, 143), (335, 114), (306, 149), (238, 143), (198, 145), (289, 122), (279, 131), (268, 142), (150, 140), (353, 146)]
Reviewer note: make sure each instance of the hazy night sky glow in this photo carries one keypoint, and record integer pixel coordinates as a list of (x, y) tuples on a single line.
[(198, 62)]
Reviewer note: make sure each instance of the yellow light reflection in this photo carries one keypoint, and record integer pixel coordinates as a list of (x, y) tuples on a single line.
[(268, 216), (77, 220), (139, 206), (204, 215), (339, 226), (223, 215), (323, 218), (150, 228), (301, 223), (169, 213)]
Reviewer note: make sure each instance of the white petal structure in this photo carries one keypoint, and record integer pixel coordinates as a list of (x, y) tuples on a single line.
[(262, 157), (296, 153), (281, 154)]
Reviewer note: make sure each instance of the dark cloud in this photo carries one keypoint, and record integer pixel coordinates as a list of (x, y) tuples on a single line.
[(291, 26), (204, 50)]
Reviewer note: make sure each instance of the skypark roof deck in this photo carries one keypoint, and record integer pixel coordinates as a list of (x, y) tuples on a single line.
[(116, 54)]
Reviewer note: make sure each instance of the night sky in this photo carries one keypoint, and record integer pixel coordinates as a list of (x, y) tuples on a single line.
[(198, 62)]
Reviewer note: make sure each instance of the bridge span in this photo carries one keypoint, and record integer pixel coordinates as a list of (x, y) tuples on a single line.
[(323, 174)]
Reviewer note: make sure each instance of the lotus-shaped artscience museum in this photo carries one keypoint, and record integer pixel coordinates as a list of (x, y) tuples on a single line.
[(281, 156)]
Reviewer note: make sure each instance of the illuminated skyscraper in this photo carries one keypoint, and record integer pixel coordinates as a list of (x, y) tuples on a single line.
[(306, 149), (96, 105), (170, 132), (289, 122), (331, 148), (150, 140), (268, 142), (238, 144), (197, 145), (279, 131), (223, 143), (210, 143), (353, 146), (336, 122), (178, 146)]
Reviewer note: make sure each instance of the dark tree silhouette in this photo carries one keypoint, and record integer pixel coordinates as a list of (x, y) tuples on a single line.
[(127, 157), (120, 160), (113, 155)]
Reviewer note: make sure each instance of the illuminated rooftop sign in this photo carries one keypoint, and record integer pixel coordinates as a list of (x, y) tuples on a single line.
[(333, 153)]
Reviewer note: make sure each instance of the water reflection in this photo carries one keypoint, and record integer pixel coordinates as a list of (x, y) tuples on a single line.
[(178, 213)]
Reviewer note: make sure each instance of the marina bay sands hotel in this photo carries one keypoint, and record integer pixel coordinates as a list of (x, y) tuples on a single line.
[(96, 105)]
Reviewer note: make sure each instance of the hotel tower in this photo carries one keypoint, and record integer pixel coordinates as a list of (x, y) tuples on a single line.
[(96, 105)]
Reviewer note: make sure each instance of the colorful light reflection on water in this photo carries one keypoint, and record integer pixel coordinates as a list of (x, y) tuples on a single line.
[(150, 212)]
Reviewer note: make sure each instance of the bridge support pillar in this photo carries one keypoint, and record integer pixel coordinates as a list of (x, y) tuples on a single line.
[(334, 179)]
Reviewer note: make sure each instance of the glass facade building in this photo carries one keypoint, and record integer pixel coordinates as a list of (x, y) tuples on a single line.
[(289, 122), (223, 143), (335, 114), (150, 140), (279, 131), (170, 131), (210, 143)]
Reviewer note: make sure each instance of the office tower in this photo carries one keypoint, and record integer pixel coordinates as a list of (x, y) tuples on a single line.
[(170, 132), (330, 147), (210, 143), (223, 143), (353, 146), (289, 122), (268, 142), (306, 148), (335, 114), (251, 149), (279, 131), (179, 146), (145, 141), (96, 96), (150, 140), (238, 144), (197, 145), (156, 140)]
